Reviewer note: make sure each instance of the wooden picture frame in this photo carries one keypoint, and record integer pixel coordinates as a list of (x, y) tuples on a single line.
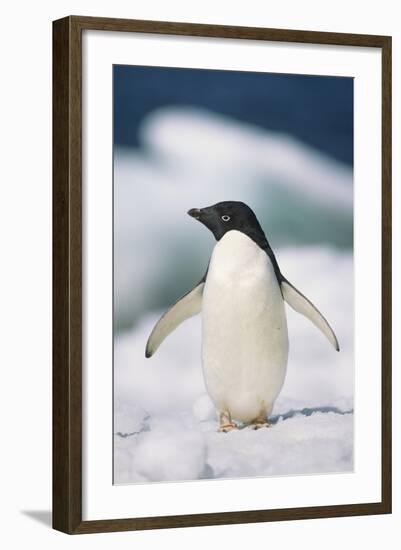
[(67, 274)]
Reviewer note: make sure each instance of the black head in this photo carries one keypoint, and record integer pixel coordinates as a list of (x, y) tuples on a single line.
[(226, 216)]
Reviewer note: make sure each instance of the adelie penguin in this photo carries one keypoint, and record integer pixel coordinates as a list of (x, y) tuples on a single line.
[(244, 326)]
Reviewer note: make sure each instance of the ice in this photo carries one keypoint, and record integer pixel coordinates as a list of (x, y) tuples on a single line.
[(190, 158)]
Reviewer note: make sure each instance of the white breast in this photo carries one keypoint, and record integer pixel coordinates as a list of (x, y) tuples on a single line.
[(244, 329)]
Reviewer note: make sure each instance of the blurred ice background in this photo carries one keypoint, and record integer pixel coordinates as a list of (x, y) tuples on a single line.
[(192, 153)]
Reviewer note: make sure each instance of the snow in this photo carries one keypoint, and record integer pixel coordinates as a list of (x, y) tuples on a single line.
[(165, 425)]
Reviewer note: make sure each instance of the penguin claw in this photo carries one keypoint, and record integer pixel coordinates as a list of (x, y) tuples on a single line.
[(225, 428), (258, 425)]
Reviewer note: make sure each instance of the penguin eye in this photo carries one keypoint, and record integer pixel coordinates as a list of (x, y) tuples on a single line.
[(225, 218)]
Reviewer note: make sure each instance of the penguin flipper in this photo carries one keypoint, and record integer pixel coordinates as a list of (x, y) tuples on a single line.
[(302, 305), (185, 307)]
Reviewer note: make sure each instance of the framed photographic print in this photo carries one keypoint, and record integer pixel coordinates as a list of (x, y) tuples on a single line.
[(222, 274)]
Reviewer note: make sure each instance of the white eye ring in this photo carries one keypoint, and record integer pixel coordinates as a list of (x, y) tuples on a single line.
[(225, 218)]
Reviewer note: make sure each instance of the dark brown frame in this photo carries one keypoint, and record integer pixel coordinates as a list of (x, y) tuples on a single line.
[(67, 274)]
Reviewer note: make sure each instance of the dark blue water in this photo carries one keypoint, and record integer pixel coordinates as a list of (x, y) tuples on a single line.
[(316, 109)]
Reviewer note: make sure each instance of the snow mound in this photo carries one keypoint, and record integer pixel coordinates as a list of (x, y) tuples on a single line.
[(182, 448)]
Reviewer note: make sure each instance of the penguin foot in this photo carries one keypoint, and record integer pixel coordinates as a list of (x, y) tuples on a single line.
[(225, 428), (226, 423), (258, 425)]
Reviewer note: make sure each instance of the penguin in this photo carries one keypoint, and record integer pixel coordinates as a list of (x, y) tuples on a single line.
[(244, 326)]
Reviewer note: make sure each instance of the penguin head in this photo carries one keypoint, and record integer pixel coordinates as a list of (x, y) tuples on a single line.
[(227, 216)]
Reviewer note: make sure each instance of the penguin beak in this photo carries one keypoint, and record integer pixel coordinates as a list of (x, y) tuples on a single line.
[(208, 216), (194, 213)]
